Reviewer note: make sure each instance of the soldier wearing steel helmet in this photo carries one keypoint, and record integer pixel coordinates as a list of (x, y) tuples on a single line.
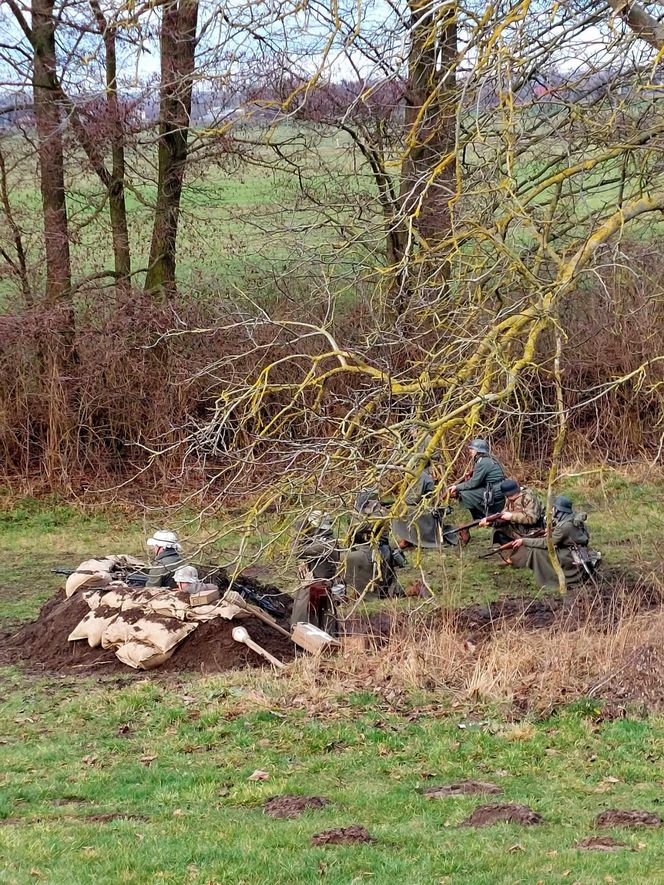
[(481, 492), (167, 558), (570, 539)]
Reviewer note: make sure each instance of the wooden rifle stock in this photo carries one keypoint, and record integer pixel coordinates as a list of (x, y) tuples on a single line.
[(469, 525)]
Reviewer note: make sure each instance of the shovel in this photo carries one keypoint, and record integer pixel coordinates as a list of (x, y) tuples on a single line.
[(241, 635)]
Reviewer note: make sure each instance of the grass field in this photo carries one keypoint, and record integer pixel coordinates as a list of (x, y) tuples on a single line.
[(147, 779)]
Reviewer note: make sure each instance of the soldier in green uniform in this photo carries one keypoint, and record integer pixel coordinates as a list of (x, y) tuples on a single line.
[(570, 539), (317, 550), (524, 512), (481, 493), (167, 558)]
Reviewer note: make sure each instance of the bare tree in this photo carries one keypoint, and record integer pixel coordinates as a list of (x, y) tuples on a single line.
[(178, 48)]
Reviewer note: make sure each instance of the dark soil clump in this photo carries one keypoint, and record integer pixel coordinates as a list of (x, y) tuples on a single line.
[(487, 815), (463, 788), (343, 836), (293, 806), (600, 843), (615, 817), (212, 649)]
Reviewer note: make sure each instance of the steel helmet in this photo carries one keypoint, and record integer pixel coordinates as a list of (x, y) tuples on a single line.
[(320, 520), (510, 487), (164, 538), (563, 504), (186, 574), (480, 445)]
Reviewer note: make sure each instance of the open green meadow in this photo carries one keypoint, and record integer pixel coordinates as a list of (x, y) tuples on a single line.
[(147, 778)]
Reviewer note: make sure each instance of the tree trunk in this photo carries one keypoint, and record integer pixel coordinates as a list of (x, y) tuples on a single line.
[(178, 46), (430, 120), (51, 162), (115, 184)]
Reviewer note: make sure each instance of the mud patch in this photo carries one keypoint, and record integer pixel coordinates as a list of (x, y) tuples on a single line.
[(615, 817), (488, 815), (463, 788), (293, 806), (600, 843), (350, 835), (615, 594)]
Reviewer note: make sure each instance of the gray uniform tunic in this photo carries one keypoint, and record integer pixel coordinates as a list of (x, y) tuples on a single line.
[(569, 531), (487, 472), (419, 529), (369, 565), (165, 566)]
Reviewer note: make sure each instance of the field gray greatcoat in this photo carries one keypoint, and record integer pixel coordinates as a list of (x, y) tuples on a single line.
[(418, 527), (569, 532), (487, 473)]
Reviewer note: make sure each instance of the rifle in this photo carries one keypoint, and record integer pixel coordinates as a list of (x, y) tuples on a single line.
[(536, 533), (470, 525), (135, 579)]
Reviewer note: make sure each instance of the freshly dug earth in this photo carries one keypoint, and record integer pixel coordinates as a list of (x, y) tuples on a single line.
[(463, 788), (487, 815), (342, 836), (600, 843), (615, 817), (293, 806), (42, 645)]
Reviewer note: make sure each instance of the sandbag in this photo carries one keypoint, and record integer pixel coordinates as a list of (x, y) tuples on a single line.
[(142, 656), (95, 573), (93, 625), (162, 633), (79, 581)]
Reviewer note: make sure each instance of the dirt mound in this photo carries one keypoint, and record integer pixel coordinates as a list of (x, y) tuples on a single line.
[(212, 649), (342, 836), (600, 843), (638, 678), (42, 644), (487, 815), (293, 806), (463, 788), (615, 817)]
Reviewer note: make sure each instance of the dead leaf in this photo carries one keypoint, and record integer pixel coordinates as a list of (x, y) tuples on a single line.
[(516, 847), (609, 879), (178, 812), (147, 760), (259, 775), (610, 780)]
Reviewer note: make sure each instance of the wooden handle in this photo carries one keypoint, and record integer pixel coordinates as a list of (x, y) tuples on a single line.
[(241, 635), (241, 602)]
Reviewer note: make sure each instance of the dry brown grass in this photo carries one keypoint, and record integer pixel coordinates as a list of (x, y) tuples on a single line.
[(512, 664)]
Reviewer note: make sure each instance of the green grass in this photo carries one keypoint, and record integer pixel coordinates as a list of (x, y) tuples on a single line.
[(190, 814), (182, 768)]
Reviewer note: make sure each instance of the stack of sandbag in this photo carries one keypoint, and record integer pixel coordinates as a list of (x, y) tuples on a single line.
[(97, 573), (144, 626)]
